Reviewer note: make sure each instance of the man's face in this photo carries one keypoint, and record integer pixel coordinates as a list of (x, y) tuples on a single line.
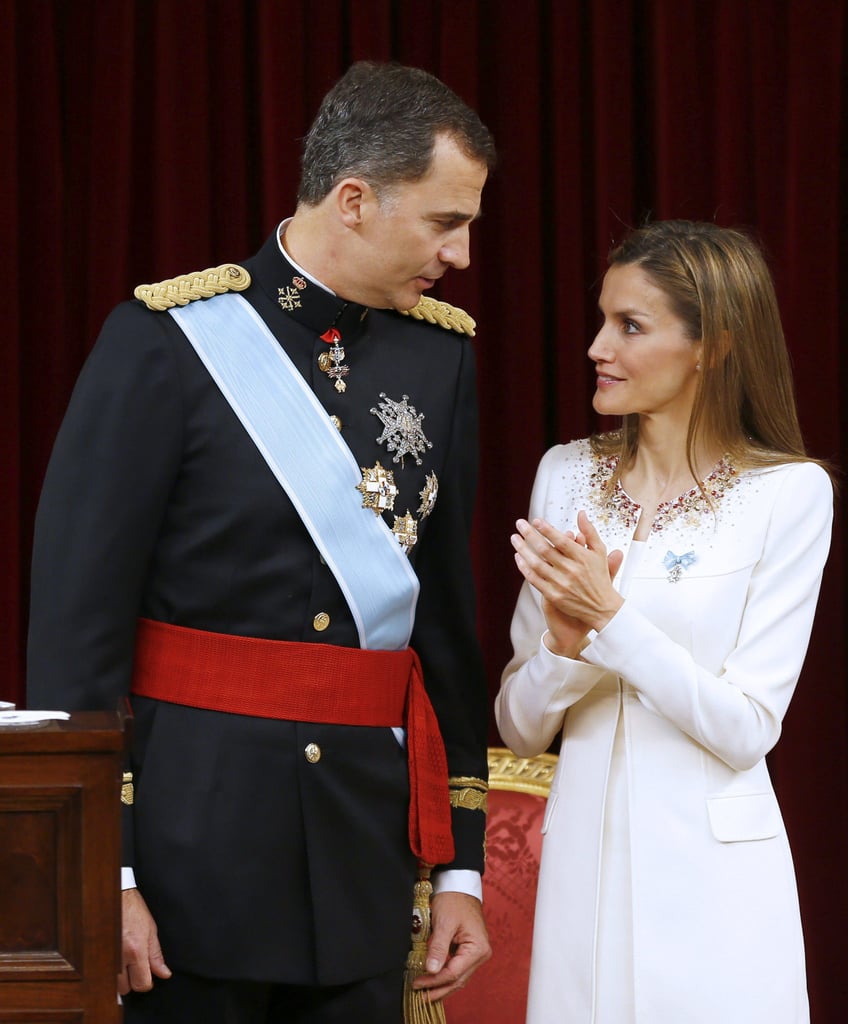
[(418, 230)]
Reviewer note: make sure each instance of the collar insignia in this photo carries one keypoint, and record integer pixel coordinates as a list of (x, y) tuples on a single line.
[(289, 298)]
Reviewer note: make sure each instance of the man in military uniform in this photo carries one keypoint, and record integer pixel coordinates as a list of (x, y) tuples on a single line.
[(255, 522)]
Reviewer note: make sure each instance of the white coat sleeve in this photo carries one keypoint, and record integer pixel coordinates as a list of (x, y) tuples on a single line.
[(537, 686), (737, 713)]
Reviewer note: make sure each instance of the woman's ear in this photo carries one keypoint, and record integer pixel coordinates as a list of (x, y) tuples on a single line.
[(720, 352), (724, 343), (722, 348)]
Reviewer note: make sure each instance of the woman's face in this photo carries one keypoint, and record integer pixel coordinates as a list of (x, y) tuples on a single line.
[(645, 364)]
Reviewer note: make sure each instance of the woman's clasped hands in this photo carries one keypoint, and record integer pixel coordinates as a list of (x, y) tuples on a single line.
[(574, 575)]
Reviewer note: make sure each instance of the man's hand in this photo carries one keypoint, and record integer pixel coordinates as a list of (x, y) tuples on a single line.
[(458, 944), (141, 952)]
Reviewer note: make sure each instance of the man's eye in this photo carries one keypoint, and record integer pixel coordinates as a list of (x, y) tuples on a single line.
[(452, 223)]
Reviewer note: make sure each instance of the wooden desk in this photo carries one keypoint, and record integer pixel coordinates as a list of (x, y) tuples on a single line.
[(60, 856)]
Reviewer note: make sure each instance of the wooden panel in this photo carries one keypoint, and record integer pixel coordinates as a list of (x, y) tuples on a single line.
[(60, 872), (40, 881), (45, 1017), (28, 918)]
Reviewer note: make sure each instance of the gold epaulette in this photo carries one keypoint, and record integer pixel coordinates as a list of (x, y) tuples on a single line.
[(468, 792), (179, 291), (452, 318)]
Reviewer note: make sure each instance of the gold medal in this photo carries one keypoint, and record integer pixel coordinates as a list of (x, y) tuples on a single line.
[(428, 495), (406, 531), (378, 489)]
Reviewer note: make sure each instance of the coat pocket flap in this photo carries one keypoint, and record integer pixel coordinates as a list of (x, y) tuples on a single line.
[(749, 816)]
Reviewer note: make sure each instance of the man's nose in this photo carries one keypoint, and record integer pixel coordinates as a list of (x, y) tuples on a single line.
[(457, 251)]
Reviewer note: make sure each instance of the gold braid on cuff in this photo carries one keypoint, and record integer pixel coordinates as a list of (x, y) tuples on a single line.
[(127, 791), (468, 792)]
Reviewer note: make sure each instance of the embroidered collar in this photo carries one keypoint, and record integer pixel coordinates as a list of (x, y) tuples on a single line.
[(301, 299), (617, 506)]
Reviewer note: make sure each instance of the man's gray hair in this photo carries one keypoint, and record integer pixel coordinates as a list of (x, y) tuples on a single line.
[(380, 122)]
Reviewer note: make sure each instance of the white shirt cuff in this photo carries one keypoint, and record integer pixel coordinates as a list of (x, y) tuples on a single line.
[(458, 880)]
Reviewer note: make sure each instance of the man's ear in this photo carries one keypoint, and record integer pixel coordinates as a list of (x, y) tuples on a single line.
[(353, 200)]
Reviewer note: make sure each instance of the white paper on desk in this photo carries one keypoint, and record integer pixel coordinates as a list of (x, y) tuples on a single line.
[(31, 717)]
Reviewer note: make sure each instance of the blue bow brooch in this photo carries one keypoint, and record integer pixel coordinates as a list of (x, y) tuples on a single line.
[(677, 563)]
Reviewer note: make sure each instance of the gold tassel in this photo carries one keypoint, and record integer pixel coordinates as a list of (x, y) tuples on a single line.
[(417, 1006)]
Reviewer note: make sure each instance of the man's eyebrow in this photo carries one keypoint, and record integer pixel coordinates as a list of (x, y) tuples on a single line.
[(460, 215)]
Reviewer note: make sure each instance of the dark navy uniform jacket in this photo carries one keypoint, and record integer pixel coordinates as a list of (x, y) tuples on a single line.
[(256, 863)]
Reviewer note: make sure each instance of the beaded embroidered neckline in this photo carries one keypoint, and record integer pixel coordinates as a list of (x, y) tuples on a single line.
[(690, 506)]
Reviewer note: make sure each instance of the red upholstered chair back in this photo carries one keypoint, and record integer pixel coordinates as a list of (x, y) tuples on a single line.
[(518, 789)]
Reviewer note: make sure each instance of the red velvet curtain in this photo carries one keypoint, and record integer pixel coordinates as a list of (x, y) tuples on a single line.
[(149, 138)]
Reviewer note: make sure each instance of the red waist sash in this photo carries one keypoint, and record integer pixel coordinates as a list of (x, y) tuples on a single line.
[(303, 682)]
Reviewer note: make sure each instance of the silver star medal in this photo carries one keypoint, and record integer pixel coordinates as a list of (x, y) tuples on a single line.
[(402, 431)]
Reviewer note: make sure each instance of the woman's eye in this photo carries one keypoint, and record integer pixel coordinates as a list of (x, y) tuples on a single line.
[(630, 326)]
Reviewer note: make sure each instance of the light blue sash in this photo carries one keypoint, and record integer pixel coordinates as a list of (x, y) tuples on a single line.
[(307, 455)]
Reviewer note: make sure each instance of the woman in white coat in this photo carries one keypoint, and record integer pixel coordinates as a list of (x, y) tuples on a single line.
[(671, 575)]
